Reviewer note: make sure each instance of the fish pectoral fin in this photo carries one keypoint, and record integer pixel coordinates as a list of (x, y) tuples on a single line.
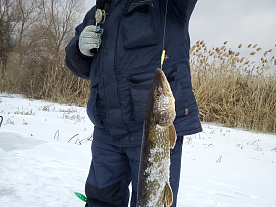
[(172, 136), (168, 195)]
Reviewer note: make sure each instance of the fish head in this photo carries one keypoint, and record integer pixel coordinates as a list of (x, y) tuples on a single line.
[(163, 103)]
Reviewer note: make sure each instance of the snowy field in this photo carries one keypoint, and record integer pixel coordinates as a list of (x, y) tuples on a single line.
[(45, 157)]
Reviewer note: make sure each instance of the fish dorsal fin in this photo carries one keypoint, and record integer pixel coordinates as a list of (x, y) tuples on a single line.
[(172, 136), (168, 195)]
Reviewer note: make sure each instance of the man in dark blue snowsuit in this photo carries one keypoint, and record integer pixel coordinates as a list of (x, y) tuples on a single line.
[(119, 57)]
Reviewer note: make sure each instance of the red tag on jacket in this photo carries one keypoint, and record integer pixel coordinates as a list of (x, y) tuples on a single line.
[(186, 111)]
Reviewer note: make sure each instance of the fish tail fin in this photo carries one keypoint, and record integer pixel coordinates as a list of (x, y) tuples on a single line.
[(172, 136), (168, 195)]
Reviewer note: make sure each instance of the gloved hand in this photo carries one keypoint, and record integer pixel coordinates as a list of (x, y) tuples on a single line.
[(90, 38)]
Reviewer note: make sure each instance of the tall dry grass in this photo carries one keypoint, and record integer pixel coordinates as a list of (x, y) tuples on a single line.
[(47, 79), (234, 89), (230, 88)]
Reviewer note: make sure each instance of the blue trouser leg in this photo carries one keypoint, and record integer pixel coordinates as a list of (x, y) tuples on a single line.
[(175, 168), (113, 168), (109, 177), (133, 154)]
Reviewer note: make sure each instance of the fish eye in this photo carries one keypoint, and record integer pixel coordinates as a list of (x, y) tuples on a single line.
[(157, 94)]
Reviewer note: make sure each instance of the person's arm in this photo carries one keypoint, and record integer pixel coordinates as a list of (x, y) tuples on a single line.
[(182, 8), (77, 62)]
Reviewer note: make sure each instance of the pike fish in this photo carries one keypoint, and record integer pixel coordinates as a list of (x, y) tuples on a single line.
[(159, 137)]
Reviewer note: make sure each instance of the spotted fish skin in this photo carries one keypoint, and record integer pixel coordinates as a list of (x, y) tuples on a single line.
[(159, 137)]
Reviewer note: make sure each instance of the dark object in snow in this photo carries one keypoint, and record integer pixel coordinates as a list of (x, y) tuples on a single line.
[(1, 120)]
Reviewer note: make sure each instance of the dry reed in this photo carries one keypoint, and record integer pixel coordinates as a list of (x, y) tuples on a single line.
[(233, 90), (230, 88)]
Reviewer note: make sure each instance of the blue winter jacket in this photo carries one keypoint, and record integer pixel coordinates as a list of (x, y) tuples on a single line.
[(122, 70)]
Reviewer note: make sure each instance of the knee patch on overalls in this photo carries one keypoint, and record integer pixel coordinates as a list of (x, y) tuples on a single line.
[(110, 196)]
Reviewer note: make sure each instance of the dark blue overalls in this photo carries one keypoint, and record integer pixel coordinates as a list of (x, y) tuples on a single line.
[(121, 74)]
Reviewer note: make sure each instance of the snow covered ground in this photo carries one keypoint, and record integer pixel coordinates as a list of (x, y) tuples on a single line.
[(45, 157)]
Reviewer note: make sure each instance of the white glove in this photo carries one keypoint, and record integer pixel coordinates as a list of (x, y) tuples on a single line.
[(90, 38)]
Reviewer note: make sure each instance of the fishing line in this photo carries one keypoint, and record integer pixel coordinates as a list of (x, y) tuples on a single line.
[(165, 24), (163, 56)]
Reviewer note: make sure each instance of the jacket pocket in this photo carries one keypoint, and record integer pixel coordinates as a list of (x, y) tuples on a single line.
[(94, 106), (172, 78), (181, 95), (140, 86), (185, 85), (139, 25)]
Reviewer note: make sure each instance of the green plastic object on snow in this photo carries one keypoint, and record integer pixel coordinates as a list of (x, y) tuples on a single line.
[(82, 197)]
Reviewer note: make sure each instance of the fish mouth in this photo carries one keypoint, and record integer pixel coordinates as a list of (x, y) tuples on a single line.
[(162, 82), (164, 103)]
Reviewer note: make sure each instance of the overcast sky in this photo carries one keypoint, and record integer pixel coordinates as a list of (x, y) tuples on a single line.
[(237, 21)]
